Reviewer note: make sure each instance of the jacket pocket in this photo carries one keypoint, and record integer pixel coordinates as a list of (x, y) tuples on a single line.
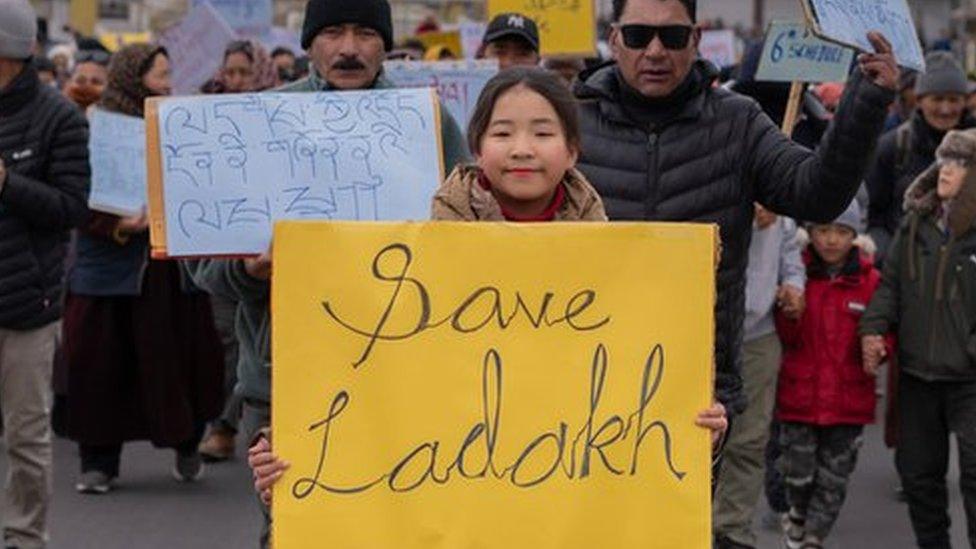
[(797, 387), (858, 396), (961, 302)]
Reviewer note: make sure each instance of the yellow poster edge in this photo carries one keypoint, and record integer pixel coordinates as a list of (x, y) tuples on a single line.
[(154, 172)]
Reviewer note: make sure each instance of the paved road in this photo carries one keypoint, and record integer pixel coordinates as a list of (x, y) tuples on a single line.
[(151, 511)]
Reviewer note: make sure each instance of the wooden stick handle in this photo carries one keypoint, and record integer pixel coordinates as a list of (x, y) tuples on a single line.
[(792, 108)]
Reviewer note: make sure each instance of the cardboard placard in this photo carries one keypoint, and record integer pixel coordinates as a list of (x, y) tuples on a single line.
[(849, 21), (566, 27), (792, 53), (492, 385), (224, 168)]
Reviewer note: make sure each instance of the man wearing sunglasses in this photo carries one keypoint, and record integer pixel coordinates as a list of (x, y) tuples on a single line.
[(661, 144)]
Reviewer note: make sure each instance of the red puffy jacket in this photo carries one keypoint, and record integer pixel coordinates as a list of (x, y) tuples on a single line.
[(822, 381)]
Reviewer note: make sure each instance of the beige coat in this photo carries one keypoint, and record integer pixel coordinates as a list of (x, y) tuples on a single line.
[(461, 198)]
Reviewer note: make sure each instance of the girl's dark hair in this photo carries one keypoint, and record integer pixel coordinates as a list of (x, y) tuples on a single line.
[(240, 46), (619, 5), (542, 82)]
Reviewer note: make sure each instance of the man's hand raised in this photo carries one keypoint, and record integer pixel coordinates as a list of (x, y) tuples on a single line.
[(880, 67)]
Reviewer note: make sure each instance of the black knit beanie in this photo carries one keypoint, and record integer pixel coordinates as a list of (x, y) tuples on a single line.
[(374, 14)]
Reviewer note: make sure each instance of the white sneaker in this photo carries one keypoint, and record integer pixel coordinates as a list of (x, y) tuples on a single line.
[(94, 482), (794, 534)]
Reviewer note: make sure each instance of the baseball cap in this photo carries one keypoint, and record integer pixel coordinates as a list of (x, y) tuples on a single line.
[(515, 25)]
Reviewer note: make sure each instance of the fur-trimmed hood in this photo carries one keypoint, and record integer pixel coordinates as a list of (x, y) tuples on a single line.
[(922, 198), (461, 198)]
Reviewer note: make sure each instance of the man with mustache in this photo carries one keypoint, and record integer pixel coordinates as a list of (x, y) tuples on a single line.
[(661, 144), (347, 41)]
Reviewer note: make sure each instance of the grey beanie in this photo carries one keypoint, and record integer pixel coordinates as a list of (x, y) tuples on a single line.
[(851, 217), (943, 74), (18, 29)]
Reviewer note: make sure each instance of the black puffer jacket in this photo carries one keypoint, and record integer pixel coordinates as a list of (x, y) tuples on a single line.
[(715, 157), (44, 146)]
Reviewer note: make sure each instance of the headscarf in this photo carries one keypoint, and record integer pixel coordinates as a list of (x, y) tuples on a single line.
[(265, 72), (125, 92)]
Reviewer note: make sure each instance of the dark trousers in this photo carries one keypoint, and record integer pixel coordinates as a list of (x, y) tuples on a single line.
[(774, 486), (106, 457), (928, 412)]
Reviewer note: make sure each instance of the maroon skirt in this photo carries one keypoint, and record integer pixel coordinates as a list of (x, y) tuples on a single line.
[(147, 367)]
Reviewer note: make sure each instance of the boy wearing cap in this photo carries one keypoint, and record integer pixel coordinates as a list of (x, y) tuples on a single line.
[(512, 39), (44, 178), (928, 295), (825, 396)]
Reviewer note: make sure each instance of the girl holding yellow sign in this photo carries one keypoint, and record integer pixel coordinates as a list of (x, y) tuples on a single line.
[(525, 136)]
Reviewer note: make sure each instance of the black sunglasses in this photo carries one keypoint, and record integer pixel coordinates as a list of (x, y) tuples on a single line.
[(673, 37)]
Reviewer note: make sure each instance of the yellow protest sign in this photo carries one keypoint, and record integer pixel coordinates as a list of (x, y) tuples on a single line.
[(566, 27), (449, 39), (115, 41), (492, 385)]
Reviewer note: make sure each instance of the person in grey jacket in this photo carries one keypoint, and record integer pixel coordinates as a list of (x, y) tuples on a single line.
[(661, 144), (776, 277)]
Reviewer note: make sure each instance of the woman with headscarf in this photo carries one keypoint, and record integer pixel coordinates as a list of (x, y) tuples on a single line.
[(247, 67), (144, 360)]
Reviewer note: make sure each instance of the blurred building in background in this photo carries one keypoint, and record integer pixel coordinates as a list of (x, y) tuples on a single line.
[(939, 21)]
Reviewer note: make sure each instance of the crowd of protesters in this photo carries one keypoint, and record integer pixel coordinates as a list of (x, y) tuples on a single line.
[(848, 251)]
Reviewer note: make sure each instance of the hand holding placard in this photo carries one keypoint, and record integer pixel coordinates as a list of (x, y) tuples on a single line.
[(880, 66), (850, 22)]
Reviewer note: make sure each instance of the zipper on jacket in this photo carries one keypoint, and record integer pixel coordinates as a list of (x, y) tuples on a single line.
[(653, 183), (937, 297)]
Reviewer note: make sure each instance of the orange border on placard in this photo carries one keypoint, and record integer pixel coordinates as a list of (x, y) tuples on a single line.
[(154, 171)]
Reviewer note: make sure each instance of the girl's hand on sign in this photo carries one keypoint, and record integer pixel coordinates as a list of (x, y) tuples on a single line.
[(266, 468), (259, 267), (716, 420), (880, 67)]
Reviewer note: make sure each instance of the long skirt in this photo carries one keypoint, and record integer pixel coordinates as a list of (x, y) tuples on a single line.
[(147, 367)]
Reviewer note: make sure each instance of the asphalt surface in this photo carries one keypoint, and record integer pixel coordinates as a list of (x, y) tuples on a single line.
[(150, 510)]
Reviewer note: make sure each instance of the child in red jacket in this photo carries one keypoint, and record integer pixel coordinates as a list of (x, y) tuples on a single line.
[(825, 397)]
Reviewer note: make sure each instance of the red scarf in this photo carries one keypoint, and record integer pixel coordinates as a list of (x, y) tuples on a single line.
[(548, 214)]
